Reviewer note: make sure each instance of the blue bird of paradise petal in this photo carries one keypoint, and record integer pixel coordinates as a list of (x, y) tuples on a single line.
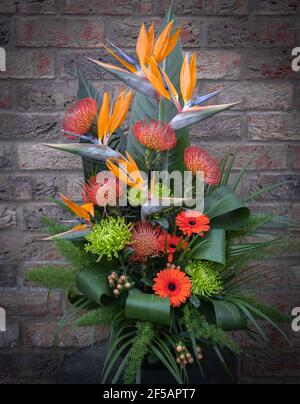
[(201, 99)]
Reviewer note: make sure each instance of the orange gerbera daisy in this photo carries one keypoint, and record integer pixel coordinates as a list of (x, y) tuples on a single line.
[(197, 159), (192, 223), (79, 118), (171, 244), (146, 241), (174, 284)]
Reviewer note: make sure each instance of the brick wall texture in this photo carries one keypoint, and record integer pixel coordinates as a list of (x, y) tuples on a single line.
[(243, 46)]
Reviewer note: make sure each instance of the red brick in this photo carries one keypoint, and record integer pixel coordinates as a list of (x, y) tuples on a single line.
[(219, 128), (274, 126), (42, 334), (7, 7), (11, 337), (269, 64), (59, 32), (191, 35), (295, 150), (264, 96), (46, 96), (273, 157), (36, 6), (29, 64), (218, 64), (29, 127), (276, 7), (297, 97), (116, 7), (40, 157), (125, 31), (253, 34), (29, 303), (5, 96), (211, 7)]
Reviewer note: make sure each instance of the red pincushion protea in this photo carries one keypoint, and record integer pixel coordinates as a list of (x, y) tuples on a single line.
[(155, 135), (102, 190), (79, 118), (146, 241), (197, 159)]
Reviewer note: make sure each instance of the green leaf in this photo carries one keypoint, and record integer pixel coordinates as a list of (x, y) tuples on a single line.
[(144, 307), (101, 316), (211, 248), (92, 282), (225, 209), (86, 89), (228, 316), (52, 277)]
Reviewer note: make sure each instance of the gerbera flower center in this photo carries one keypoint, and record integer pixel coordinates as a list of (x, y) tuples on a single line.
[(172, 287), (192, 223)]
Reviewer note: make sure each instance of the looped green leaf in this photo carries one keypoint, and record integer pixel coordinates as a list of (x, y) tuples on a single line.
[(92, 282), (226, 210), (148, 307), (228, 316), (211, 248)]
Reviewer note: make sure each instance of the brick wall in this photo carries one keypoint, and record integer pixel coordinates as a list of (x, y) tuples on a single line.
[(243, 46)]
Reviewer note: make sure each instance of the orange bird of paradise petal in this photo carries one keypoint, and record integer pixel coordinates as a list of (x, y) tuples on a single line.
[(126, 171), (83, 212), (188, 77), (165, 42)]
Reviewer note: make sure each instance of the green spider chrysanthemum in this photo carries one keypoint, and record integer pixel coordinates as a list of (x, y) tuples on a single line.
[(206, 281), (109, 237)]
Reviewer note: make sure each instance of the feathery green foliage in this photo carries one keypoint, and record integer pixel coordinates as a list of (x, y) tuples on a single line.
[(269, 311), (101, 316), (52, 227), (138, 351), (52, 277), (197, 325)]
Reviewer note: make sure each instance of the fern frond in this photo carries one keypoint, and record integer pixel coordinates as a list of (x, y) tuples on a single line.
[(53, 277), (101, 316)]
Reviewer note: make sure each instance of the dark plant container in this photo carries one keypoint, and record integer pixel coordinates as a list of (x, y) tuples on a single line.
[(85, 366)]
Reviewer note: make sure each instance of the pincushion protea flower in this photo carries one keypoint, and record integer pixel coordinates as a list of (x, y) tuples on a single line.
[(192, 223), (155, 135), (103, 189), (174, 284), (146, 241), (79, 118), (197, 159)]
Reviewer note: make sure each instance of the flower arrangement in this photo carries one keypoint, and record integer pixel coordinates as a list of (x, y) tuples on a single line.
[(160, 267)]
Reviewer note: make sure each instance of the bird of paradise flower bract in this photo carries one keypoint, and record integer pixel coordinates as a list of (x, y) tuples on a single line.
[(85, 211)]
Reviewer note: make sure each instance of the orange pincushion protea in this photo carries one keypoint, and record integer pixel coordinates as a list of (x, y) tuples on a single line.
[(174, 284), (146, 241), (197, 159), (155, 135), (103, 189), (192, 223), (79, 118)]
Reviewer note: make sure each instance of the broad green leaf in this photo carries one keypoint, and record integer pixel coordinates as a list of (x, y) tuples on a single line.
[(148, 307), (228, 316), (92, 282), (225, 209), (211, 248)]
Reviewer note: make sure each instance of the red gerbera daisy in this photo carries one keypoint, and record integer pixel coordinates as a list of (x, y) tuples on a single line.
[(79, 118), (174, 284), (192, 223), (171, 244), (197, 159), (103, 189), (146, 241), (156, 135)]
